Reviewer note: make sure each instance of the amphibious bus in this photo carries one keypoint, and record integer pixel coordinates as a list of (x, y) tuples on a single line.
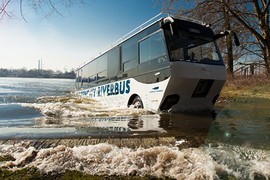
[(166, 64)]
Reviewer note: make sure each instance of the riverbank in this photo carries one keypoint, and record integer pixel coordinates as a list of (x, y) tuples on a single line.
[(245, 87)]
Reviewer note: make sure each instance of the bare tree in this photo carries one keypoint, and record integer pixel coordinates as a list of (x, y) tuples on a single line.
[(46, 7), (254, 16), (3, 7), (215, 13), (248, 17)]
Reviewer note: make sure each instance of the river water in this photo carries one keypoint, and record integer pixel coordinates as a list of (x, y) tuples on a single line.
[(42, 124)]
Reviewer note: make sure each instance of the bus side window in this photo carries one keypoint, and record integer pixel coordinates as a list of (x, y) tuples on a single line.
[(152, 47), (129, 54), (101, 68), (84, 80), (114, 65)]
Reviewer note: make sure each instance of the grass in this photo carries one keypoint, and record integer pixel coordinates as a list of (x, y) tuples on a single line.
[(239, 87), (6, 158), (24, 174), (33, 173)]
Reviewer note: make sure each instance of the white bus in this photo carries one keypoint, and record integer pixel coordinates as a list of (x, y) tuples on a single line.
[(166, 64)]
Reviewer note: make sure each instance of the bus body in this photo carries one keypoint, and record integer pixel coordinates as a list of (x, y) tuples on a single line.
[(170, 65)]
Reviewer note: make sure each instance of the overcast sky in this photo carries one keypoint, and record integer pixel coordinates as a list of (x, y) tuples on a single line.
[(63, 43)]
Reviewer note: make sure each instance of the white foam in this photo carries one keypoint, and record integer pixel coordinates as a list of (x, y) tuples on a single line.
[(179, 142), (241, 162), (159, 161), (82, 112), (73, 106)]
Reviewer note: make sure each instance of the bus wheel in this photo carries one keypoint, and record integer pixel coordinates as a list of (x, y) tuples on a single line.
[(137, 103)]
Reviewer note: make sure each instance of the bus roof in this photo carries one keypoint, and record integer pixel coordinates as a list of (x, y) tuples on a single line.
[(140, 28)]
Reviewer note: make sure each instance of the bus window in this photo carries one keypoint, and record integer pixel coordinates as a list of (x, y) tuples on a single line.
[(102, 62), (92, 68), (102, 67), (129, 54), (152, 47), (113, 65), (177, 54), (194, 48)]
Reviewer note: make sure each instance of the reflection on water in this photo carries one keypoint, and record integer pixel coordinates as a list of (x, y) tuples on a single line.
[(125, 124), (136, 142), (244, 122), (177, 125), (238, 123), (91, 118), (192, 128)]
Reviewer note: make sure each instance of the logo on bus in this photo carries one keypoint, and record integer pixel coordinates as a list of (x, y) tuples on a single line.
[(156, 89), (122, 87)]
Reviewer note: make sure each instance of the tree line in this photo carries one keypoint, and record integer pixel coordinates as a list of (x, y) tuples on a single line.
[(36, 73), (248, 18)]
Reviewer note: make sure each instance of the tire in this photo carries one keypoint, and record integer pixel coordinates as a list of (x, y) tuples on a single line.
[(137, 103)]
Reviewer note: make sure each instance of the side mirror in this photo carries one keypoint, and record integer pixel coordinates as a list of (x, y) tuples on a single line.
[(221, 34), (168, 23), (227, 32)]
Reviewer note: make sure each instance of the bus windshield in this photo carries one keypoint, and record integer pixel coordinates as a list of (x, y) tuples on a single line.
[(194, 48)]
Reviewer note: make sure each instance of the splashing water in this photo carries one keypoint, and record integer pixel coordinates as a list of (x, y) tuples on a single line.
[(218, 162), (73, 106)]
